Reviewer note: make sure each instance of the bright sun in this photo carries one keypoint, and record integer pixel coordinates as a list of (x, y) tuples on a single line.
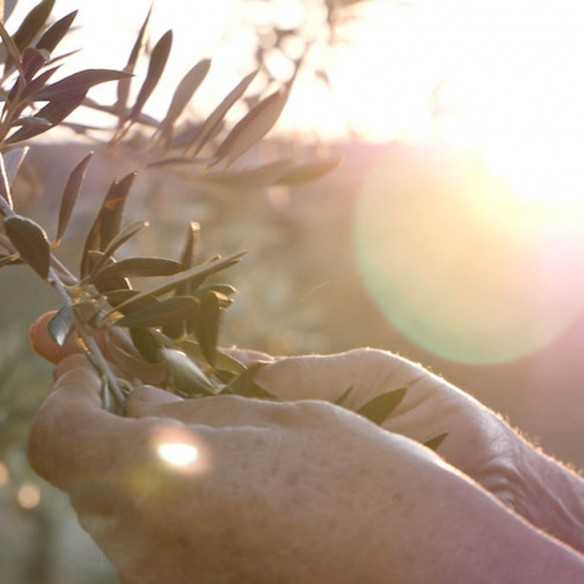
[(502, 78)]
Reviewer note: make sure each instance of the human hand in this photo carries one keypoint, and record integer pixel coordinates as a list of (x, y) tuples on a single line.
[(478, 441), (228, 489)]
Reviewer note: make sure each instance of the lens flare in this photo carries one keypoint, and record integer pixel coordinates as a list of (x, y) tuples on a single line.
[(459, 265), (179, 454), (28, 496)]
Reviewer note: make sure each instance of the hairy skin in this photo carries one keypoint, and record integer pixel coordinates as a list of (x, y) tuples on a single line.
[(300, 491)]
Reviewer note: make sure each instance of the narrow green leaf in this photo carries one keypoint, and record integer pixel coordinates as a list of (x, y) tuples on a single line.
[(253, 127), (246, 386), (12, 51), (32, 60), (122, 237), (212, 124), (249, 178), (5, 190), (185, 91), (38, 83), (33, 23), (31, 242), (61, 325), (139, 268), (70, 195), (434, 443), (303, 173), (189, 252), (113, 209), (106, 283), (147, 344), (54, 112), (56, 32), (156, 66), (13, 160), (167, 311), (117, 297), (380, 407), (186, 377), (173, 281), (108, 222), (123, 89), (207, 326), (78, 83), (342, 399)]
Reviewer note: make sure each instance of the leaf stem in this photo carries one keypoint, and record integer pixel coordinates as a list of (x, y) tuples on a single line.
[(98, 360)]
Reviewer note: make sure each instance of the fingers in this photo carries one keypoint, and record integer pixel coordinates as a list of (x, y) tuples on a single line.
[(368, 372), (218, 412), (249, 356), (72, 438)]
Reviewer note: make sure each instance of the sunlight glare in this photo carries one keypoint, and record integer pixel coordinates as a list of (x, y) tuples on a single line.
[(28, 496), (178, 454)]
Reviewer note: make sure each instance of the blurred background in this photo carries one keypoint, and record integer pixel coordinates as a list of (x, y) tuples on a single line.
[(452, 232)]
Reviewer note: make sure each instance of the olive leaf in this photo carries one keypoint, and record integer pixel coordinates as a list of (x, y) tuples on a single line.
[(139, 267), (61, 325), (33, 23), (253, 127), (246, 386), (32, 60), (123, 89), (147, 344), (184, 92), (249, 178), (189, 252), (167, 311), (31, 242), (56, 32), (122, 237), (342, 399), (13, 53), (33, 122), (117, 297), (112, 210), (70, 195), (38, 83), (54, 112), (303, 173), (108, 221), (172, 282), (207, 326), (212, 124), (185, 376), (156, 66), (5, 190), (434, 443), (13, 160), (78, 83), (380, 407)]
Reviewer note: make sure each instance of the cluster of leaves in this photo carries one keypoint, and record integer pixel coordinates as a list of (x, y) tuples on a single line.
[(167, 334)]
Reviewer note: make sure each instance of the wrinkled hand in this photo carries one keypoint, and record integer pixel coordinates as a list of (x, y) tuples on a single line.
[(478, 442), (227, 489)]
